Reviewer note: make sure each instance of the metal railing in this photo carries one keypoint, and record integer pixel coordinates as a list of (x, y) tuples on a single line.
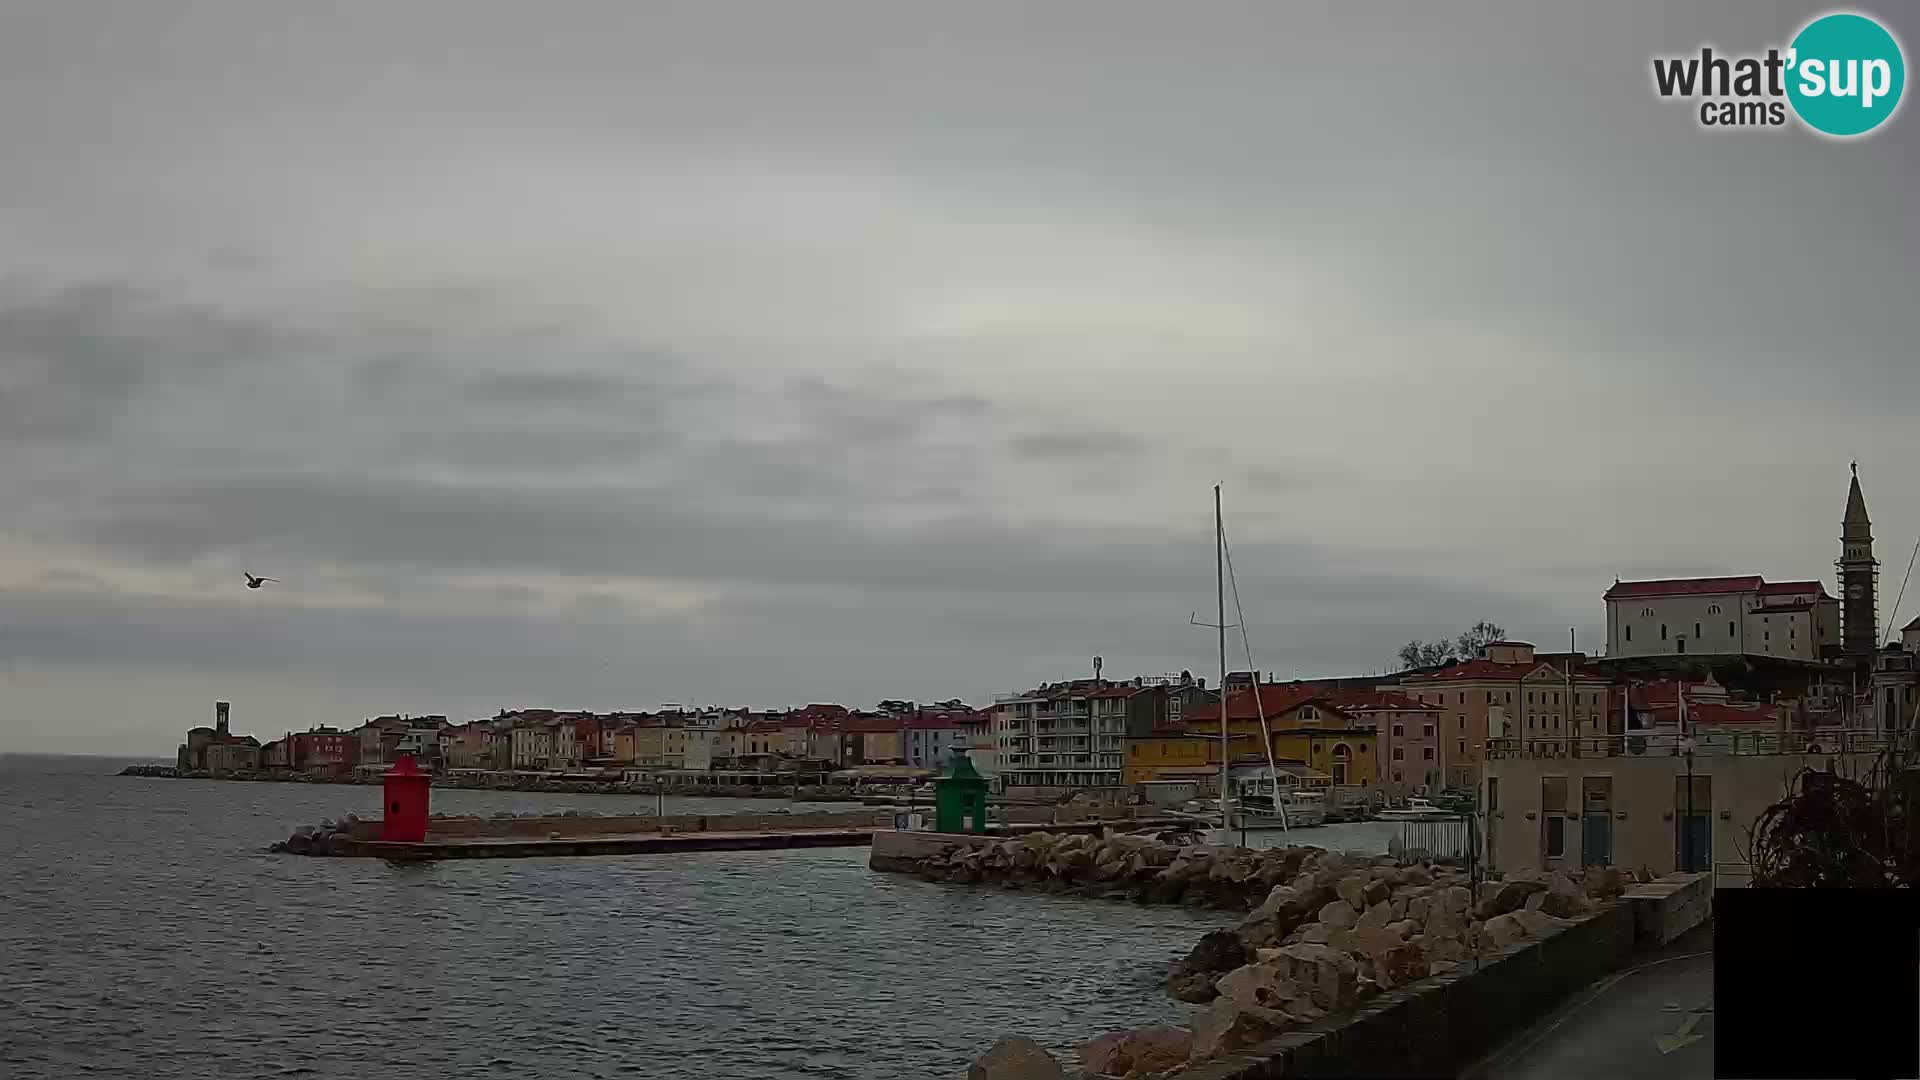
[(1669, 742)]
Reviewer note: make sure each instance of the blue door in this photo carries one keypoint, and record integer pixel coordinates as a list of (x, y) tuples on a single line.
[(1696, 843), (1596, 838)]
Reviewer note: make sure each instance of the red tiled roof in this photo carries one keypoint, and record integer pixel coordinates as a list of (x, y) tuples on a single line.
[(1664, 693), (1275, 700), (1685, 586), (1477, 669), (942, 719), (869, 725), (1793, 588), (1378, 701)]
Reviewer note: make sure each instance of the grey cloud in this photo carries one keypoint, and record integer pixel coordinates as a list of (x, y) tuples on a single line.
[(73, 359), (1076, 446), (811, 314), (535, 388)]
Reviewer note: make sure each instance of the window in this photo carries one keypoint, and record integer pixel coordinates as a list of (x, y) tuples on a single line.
[(1463, 748), (1399, 729), (1429, 731), (1427, 753), (1399, 754), (1647, 611), (1462, 701), (1663, 631), (1396, 776), (1306, 712), (1509, 698), (1696, 629), (1629, 633), (1556, 697), (1766, 635), (1713, 609), (1729, 628), (1529, 697)]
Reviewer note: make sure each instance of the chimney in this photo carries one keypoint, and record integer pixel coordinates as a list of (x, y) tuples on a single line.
[(220, 709)]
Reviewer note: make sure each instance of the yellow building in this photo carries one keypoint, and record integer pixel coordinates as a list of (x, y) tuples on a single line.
[(623, 745), (1306, 726), (1346, 754), (1169, 755)]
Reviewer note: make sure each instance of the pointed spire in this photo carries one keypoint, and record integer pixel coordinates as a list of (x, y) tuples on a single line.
[(1856, 502)]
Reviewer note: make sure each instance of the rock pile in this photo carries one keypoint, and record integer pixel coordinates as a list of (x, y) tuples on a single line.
[(315, 839), (1345, 928), (1142, 868), (1326, 932)]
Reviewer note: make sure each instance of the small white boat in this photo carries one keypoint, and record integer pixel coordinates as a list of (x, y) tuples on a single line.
[(1415, 810)]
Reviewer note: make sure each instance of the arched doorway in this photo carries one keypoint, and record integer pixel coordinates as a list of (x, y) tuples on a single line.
[(1342, 759)]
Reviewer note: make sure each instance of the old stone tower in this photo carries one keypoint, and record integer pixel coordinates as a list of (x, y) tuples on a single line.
[(1859, 577)]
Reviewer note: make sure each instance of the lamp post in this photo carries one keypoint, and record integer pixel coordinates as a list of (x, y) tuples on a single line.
[(1686, 823)]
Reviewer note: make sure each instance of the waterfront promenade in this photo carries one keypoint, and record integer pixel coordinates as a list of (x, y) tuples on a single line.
[(1653, 1020)]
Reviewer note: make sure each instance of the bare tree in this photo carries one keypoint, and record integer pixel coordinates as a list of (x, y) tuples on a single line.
[(1472, 642)]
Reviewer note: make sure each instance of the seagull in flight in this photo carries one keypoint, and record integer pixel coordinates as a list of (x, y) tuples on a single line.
[(255, 582)]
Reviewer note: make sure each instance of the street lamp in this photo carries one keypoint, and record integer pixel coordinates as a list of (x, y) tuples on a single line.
[(1686, 822)]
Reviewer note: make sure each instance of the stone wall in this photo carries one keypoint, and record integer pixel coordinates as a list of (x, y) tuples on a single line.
[(1361, 966), (1441, 1024), (1670, 906)]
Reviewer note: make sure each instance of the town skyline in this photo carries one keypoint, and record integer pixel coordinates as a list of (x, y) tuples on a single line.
[(859, 355)]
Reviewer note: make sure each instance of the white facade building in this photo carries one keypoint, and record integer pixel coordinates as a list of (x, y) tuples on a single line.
[(1725, 616), (1067, 735)]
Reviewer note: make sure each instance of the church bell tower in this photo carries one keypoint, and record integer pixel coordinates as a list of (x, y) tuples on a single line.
[(1859, 577)]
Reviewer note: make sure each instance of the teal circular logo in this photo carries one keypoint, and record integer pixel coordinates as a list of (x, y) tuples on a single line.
[(1845, 74)]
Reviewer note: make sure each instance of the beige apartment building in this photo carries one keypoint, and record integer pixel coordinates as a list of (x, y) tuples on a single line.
[(1507, 694), (674, 747)]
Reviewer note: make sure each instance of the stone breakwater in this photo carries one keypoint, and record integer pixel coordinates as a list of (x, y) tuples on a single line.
[(1147, 869), (1326, 932)]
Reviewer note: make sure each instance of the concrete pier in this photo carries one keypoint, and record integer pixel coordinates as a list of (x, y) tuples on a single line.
[(556, 836), (522, 847)]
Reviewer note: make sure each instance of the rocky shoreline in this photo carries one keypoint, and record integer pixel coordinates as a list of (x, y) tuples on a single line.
[(1323, 933)]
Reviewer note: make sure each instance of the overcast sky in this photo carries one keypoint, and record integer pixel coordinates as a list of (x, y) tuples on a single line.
[(613, 354)]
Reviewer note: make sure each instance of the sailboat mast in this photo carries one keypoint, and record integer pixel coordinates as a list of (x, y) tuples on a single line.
[(1220, 589)]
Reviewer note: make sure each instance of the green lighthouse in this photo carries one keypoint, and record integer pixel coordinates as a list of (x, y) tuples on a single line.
[(960, 797)]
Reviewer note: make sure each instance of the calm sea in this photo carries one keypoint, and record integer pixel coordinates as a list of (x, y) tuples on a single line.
[(144, 932)]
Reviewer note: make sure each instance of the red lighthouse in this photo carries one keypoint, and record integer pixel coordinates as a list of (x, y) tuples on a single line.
[(406, 798)]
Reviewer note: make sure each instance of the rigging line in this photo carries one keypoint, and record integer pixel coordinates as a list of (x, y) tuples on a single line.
[(1259, 700), (1894, 615)]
